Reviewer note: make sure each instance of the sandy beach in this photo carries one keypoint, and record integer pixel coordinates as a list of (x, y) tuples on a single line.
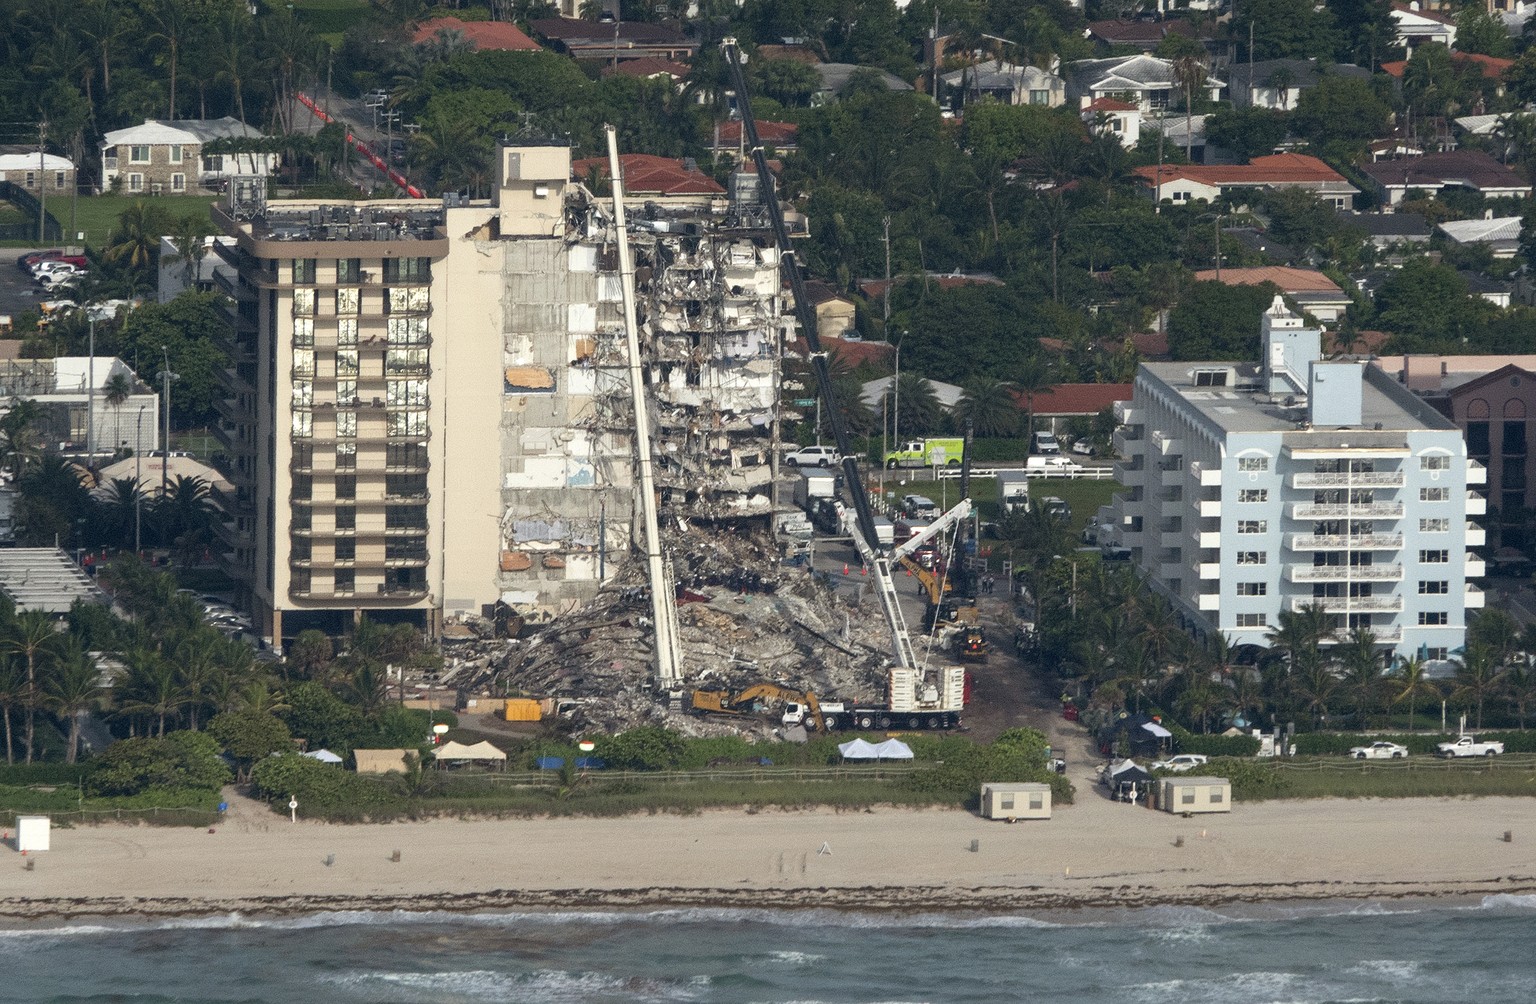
[(1096, 853)]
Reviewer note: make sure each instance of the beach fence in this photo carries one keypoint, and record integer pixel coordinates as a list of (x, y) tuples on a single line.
[(1405, 765), (91, 817)]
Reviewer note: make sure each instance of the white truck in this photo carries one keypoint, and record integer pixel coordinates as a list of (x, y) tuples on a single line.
[(1468, 746)]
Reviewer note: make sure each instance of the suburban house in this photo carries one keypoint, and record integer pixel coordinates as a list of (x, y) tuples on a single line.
[(1386, 230), (482, 36), (1111, 117), (836, 313), (1499, 234), (1147, 80), (1195, 183), (1143, 35), (663, 180), (649, 68), (1006, 83), (835, 77), (1470, 169), (781, 137), (1415, 26), (615, 41), (1491, 68), (1056, 404), (27, 169), (1278, 83), (166, 157), (1307, 288)]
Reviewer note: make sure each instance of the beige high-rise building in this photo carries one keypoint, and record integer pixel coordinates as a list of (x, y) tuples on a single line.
[(428, 409)]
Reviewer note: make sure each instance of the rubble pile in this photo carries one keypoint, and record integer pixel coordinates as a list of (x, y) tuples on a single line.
[(744, 618)]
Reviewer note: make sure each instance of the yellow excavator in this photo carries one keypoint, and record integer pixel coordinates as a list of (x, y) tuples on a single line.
[(753, 700)]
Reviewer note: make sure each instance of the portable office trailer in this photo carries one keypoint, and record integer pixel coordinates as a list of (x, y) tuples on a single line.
[(32, 833), (1195, 794), (1024, 800)]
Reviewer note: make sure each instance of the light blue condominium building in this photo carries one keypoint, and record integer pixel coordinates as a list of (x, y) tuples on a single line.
[(1252, 489)]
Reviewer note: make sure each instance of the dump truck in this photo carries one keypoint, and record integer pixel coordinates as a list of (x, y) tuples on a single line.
[(754, 700)]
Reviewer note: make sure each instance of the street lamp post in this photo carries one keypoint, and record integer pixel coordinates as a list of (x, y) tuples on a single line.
[(90, 399), (166, 376), (138, 479)]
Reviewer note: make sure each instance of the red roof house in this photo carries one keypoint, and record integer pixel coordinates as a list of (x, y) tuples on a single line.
[(647, 175), (485, 36)]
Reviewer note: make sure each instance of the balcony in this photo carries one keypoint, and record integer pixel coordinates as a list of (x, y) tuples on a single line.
[(1208, 538), (1128, 472), (1209, 477), (1476, 535), (1209, 601), (1346, 510), (1210, 570), (1346, 542), (1344, 573), (1475, 568), (1171, 477), (1353, 479), (1167, 444), (1210, 508), (1348, 604), (1126, 413), (1477, 474), (1170, 570), (1126, 442), (1477, 504), (1474, 598)]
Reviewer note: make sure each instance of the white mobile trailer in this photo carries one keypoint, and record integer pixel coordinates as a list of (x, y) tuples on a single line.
[(1194, 794), (1020, 800)]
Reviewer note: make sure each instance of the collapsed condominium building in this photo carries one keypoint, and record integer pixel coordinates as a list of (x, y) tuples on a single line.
[(428, 409)]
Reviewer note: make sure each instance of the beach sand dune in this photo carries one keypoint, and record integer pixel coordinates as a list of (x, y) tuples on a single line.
[(1096, 853)]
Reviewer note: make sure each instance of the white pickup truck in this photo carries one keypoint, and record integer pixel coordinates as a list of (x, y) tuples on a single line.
[(1467, 746)]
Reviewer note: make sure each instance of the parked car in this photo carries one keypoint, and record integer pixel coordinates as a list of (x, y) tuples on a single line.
[(1044, 444), (26, 261), (919, 506), (814, 456), (52, 281), (1181, 762), (1083, 447), (1381, 750), (1057, 507)]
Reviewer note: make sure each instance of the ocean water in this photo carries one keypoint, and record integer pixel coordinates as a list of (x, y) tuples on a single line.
[(1483, 952)]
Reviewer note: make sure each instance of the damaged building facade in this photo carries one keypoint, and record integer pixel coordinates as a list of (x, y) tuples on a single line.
[(428, 412)]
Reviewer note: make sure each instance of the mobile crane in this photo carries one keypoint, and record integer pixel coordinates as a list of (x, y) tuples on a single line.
[(917, 697)]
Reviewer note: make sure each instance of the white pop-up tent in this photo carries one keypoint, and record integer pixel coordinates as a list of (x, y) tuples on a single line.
[(324, 756), (893, 749), (859, 749), (459, 751)]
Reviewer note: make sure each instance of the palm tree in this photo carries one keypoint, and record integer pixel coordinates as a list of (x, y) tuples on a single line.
[(189, 236), (1315, 687), (116, 391), (1410, 682), (13, 691), (172, 18), (105, 26), (1188, 75), (153, 687), (988, 405), (136, 238), (1361, 660), (233, 52), (31, 636), (920, 408), (18, 436), (1033, 376), (72, 689), (1478, 674), (368, 687), (1519, 687)]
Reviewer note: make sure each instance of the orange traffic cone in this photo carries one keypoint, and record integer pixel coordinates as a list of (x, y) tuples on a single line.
[(845, 568), (864, 570), (909, 573)]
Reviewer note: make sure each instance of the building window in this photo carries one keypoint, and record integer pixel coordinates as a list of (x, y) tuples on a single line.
[(304, 362), (178, 182), (213, 164), (304, 332), (1434, 525), (405, 423), (1252, 557), (303, 425), (31, 181), (1436, 462), (406, 393), (58, 179), (1187, 796), (304, 270), (346, 332), (346, 391), (346, 362), (174, 152), (349, 269), (346, 486), (303, 393), (138, 155), (407, 331), (303, 303), (1252, 465), (1252, 526), (1514, 439), (1253, 495), (1217, 796), (401, 361), (1210, 378), (407, 269), (346, 548), (406, 299), (1434, 587), (346, 454), (1434, 618), (346, 425), (1435, 557), (1253, 589), (346, 301), (1039, 97), (1436, 654), (1252, 620), (1006, 801), (346, 579), (1434, 494), (1477, 440), (346, 517), (135, 182)]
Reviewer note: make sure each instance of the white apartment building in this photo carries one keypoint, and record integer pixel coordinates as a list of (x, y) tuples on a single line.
[(429, 411), (1253, 489)]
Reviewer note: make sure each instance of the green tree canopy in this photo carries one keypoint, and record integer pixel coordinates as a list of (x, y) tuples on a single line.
[(1247, 132), (1341, 110), (1216, 321)]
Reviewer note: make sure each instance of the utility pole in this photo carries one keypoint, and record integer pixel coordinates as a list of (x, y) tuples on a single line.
[(90, 398), (166, 376), (42, 179), (1218, 247), (886, 316), (935, 50), (138, 480)]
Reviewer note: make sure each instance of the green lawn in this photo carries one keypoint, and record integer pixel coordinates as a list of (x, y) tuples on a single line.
[(330, 18), (97, 215)]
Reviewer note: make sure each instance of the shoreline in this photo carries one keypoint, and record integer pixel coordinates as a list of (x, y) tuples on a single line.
[(894, 901), (1095, 854)]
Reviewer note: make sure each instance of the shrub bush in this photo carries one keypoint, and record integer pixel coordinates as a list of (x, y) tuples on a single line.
[(1185, 741)]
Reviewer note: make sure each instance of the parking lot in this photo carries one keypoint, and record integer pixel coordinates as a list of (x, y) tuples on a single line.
[(17, 292)]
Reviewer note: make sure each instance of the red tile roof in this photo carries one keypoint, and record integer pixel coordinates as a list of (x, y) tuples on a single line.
[(771, 133), (1109, 105), (486, 35), (648, 66), (853, 353), (1290, 280), (645, 174), (1492, 67), (1277, 168), (1078, 398), (1425, 14)]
